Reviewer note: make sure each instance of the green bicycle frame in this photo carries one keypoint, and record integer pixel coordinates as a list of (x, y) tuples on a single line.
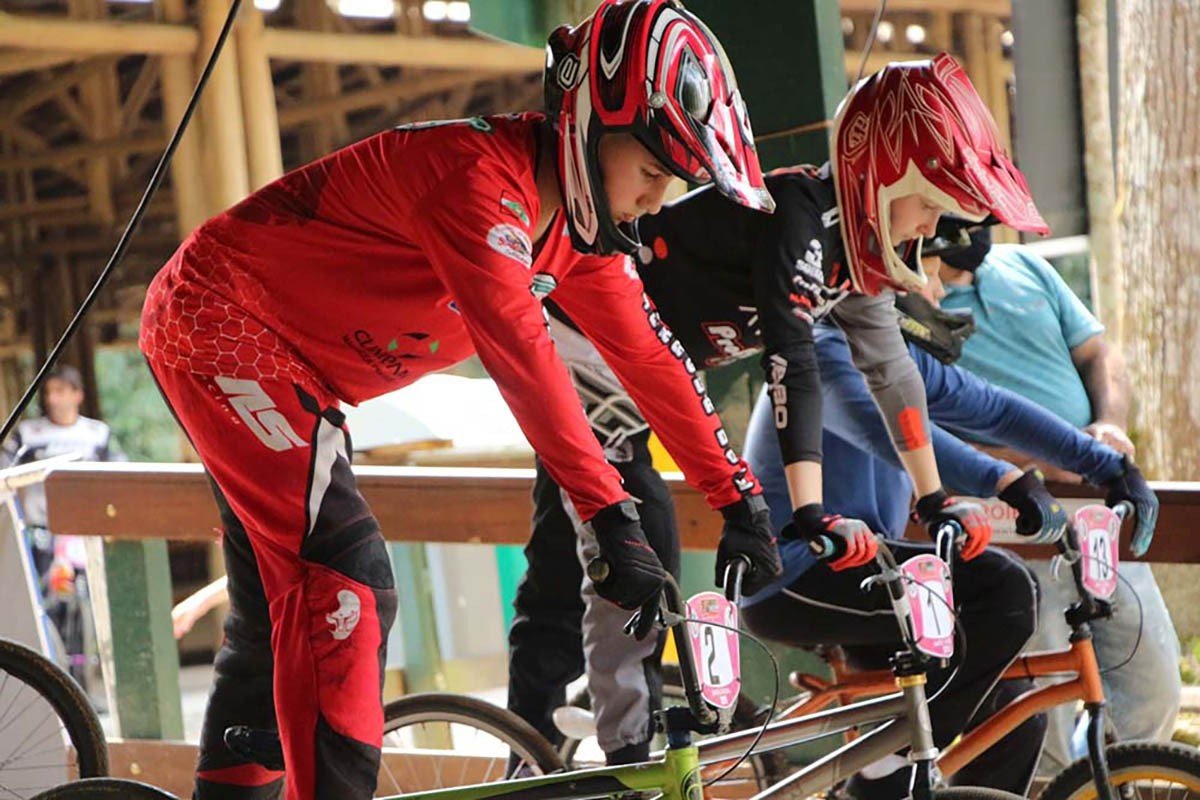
[(677, 776)]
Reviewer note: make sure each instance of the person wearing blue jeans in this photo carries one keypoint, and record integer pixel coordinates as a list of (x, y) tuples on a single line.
[(1035, 337), (864, 480)]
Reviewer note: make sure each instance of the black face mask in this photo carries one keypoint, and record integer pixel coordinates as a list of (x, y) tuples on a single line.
[(937, 332)]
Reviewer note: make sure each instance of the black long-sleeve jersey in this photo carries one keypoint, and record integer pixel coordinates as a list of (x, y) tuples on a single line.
[(730, 282)]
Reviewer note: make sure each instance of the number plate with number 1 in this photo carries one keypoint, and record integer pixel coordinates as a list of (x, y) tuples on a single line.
[(931, 599)]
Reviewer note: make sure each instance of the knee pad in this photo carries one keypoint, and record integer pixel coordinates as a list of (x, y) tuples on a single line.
[(357, 551)]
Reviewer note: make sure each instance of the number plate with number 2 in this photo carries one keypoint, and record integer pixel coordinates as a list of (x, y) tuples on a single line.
[(715, 650)]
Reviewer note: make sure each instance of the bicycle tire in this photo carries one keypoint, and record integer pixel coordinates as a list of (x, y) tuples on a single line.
[(532, 754), (972, 793), (68, 703), (1129, 764), (105, 789)]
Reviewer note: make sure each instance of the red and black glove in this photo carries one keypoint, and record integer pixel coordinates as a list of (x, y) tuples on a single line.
[(839, 541), (937, 508)]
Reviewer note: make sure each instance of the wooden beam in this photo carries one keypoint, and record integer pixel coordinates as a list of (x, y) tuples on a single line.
[(95, 36), (975, 52), (264, 155), (444, 505), (100, 110), (74, 153), (16, 61), (48, 87), (228, 177), (320, 134), (139, 94), (80, 245), (177, 79), (875, 62), (995, 8), (55, 206), (387, 94), (171, 766), (396, 49), (1000, 71), (70, 106)]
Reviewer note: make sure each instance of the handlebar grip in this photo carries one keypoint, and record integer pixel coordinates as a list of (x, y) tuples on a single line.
[(826, 548), (952, 527), (598, 570), (735, 572), (1123, 509)]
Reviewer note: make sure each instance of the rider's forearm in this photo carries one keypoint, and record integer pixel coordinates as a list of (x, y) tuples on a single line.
[(803, 482), (922, 468)]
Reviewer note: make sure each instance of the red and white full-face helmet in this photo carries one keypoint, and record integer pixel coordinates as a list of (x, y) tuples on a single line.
[(918, 127), (651, 69)]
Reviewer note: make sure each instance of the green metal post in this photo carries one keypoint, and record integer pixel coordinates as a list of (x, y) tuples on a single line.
[(423, 670), (130, 584)]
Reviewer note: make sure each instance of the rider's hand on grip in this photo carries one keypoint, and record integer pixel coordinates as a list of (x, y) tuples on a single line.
[(635, 575), (938, 508), (839, 541), (747, 535), (1132, 488), (1039, 514)]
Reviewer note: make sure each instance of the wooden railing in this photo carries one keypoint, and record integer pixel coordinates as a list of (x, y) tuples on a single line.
[(445, 505)]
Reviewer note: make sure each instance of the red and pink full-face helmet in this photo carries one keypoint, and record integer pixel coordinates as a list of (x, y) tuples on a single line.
[(652, 69), (918, 127)]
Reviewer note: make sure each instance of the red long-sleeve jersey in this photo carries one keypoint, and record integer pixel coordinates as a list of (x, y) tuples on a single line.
[(405, 253)]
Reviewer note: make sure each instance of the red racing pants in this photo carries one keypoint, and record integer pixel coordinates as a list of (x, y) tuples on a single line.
[(310, 586)]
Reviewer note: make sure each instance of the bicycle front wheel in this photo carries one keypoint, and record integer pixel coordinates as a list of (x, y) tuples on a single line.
[(48, 730), (105, 789), (441, 741), (1136, 770)]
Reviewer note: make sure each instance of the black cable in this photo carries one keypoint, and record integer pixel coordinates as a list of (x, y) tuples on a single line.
[(774, 699), (122, 245), (1141, 621), (960, 637)]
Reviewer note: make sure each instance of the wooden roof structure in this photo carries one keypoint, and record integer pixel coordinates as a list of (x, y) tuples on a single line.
[(91, 89)]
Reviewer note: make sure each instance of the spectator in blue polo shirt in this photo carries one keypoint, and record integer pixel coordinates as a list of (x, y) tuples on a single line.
[(1035, 337)]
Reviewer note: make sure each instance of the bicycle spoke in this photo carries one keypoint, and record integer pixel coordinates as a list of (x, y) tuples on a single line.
[(23, 753)]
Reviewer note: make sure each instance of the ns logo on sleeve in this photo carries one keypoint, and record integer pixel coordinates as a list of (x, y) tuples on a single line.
[(509, 240)]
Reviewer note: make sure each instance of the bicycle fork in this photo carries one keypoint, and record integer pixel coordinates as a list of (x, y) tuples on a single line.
[(910, 678)]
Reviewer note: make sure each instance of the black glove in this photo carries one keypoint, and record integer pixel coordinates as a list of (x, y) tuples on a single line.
[(853, 544), (1039, 515), (937, 508), (1130, 486), (747, 534), (635, 575)]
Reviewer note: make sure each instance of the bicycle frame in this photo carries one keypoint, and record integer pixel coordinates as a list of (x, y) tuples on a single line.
[(1079, 659), (677, 776)]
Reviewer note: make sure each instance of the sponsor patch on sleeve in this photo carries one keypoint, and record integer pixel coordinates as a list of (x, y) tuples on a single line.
[(509, 240), (510, 205)]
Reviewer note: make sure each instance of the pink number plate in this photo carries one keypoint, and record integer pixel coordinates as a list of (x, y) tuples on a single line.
[(1099, 528), (716, 650), (931, 599)]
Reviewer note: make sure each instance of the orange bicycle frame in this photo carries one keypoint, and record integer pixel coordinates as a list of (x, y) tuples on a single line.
[(1079, 660)]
